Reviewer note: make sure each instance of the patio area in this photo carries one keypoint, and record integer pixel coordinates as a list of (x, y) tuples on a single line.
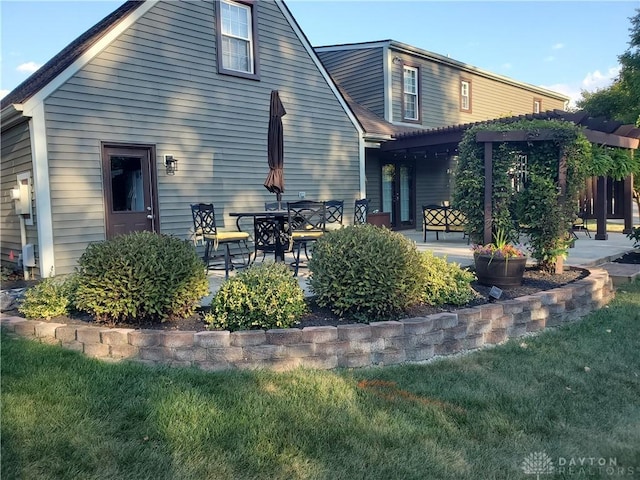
[(587, 252)]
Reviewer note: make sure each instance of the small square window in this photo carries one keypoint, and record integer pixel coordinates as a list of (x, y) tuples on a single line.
[(537, 105), (465, 95)]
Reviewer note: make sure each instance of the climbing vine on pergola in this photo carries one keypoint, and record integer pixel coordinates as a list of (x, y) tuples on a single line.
[(537, 170)]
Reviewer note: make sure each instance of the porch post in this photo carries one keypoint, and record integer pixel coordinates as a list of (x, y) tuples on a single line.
[(562, 192)]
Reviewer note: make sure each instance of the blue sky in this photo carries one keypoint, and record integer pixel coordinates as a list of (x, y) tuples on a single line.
[(564, 46)]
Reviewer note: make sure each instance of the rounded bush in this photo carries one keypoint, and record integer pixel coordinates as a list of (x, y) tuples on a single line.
[(262, 296), (445, 283), (140, 276), (363, 272), (52, 297)]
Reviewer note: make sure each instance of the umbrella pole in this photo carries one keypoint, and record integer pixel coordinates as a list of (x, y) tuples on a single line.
[(279, 199)]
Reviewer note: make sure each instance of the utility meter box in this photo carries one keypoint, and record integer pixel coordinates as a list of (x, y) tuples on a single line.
[(28, 255)]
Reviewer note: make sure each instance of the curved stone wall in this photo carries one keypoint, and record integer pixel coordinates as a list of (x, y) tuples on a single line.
[(356, 345)]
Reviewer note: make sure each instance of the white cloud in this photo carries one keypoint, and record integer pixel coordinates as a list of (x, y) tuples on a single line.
[(557, 46), (596, 80), (550, 58), (28, 67), (591, 82), (573, 92), (3, 93)]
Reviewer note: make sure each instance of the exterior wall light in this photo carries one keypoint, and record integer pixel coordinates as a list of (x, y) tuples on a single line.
[(171, 164)]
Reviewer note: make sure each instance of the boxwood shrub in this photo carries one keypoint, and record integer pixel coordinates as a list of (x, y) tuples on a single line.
[(367, 273), (363, 272), (140, 276), (262, 296)]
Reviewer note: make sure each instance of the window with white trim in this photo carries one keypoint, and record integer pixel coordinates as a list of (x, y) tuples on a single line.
[(236, 38), (537, 105), (411, 105), (465, 95)]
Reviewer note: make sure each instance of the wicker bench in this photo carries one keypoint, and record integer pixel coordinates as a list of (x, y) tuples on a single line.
[(442, 219)]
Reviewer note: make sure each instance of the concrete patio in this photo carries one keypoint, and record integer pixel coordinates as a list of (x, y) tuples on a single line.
[(587, 252)]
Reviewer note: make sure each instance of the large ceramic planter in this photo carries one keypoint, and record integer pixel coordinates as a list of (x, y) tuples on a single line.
[(500, 272)]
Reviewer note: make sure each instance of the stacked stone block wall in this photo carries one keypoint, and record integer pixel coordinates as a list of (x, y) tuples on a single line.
[(358, 345)]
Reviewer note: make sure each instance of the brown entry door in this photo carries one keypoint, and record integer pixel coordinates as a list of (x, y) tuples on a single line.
[(129, 190)]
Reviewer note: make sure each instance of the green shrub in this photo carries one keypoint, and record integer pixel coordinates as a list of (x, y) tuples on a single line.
[(634, 235), (445, 283), (140, 276), (52, 297), (262, 296), (364, 272)]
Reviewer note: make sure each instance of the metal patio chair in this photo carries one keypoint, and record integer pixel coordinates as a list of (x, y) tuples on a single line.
[(360, 212), (306, 220), (204, 226)]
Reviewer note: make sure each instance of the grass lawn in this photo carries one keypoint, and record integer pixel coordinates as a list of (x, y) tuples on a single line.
[(572, 393)]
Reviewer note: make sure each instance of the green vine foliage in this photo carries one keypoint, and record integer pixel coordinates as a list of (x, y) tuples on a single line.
[(528, 197)]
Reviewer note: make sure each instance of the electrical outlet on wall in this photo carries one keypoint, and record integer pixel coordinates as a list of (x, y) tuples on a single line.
[(301, 194)]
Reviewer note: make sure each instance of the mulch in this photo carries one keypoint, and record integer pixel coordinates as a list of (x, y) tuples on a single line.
[(534, 281)]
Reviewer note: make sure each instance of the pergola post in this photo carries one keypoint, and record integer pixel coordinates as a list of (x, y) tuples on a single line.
[(488, 188), (628, 204), (562, 198), (601, 209)]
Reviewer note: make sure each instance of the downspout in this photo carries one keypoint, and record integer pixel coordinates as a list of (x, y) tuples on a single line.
[(23, 242)]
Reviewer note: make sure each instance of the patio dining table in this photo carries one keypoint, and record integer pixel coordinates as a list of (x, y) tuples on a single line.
[(279, 215)]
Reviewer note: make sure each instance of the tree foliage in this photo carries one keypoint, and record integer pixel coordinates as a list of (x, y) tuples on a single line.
[(621, 100)]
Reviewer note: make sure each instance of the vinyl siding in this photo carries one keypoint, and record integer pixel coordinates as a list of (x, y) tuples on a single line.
[(157, 84), (16, 159), (433, 183), (360, 73), (440, 96)]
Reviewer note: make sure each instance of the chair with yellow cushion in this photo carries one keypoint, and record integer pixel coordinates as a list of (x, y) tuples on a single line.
[(307, 221), (204, 225)]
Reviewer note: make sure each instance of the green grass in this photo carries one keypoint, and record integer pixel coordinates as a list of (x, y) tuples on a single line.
[(65, 416)]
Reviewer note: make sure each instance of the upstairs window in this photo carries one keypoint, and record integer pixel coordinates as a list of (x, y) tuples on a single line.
[(237, 52), (537, 105), (410, 104), (465, 95)]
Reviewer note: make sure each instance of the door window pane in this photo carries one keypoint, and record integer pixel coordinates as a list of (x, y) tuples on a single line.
[(127, 192), (388, 176), (405, 194)]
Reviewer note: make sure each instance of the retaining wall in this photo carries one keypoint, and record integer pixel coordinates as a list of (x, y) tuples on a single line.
[(357, 345)]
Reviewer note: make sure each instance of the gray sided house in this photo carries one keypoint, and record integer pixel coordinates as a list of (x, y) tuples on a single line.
[(88, 136), (396, 90)]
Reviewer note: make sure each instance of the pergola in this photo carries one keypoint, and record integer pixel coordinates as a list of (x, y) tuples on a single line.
[(597, 130)]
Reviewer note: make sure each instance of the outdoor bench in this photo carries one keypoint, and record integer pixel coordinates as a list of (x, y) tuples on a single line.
[(437, 219)]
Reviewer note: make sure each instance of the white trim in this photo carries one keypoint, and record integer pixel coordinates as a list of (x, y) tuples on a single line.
[(86, 57), (415, 94), (42, 189), (353, 46), (248, 10), (387, 72)]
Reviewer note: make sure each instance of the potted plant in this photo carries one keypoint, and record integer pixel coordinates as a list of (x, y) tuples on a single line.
[(500, 263)]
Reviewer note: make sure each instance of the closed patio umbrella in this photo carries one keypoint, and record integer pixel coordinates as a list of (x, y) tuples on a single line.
[(275, 148)]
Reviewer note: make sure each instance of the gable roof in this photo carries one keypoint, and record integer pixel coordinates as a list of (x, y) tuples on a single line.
[(68, 55)]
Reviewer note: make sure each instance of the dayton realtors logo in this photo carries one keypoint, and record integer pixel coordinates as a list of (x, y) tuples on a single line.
[(537, 463)]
